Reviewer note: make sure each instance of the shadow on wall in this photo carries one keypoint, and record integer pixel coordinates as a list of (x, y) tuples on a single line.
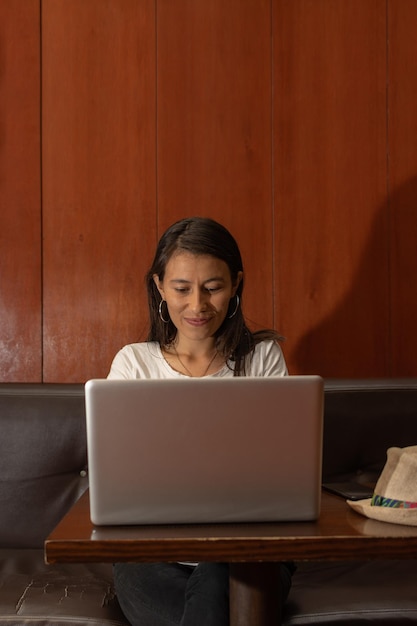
[(373, 331)]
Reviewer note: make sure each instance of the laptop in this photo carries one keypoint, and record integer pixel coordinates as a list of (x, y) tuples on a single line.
[(204, 450)]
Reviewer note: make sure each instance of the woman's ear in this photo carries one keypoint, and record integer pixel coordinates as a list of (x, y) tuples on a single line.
[(237, 283), (159, 286)]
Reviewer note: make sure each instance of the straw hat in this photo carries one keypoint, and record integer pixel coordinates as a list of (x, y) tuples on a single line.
[(395, 495)]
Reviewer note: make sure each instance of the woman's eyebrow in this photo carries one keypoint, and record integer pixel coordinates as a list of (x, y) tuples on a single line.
[(218, 279), (179, 280)]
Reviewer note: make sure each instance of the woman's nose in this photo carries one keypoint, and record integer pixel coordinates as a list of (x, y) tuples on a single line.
[(198, 300)]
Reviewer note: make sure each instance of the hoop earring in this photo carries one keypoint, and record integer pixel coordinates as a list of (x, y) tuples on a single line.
[(236, 308), (160, 312)]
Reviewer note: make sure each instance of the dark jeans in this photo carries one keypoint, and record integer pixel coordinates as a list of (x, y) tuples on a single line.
[(170, 594)]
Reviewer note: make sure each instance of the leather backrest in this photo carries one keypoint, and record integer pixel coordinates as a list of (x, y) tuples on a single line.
[(42, 458), (43, 454), (362, 419)]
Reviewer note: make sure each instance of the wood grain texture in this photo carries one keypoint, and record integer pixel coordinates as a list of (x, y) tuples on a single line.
[(338, 534), (252, 550), (402, 133), (255, 594), (292, 122), (214, 128), (331, 228), (20, 192), (98, 180)]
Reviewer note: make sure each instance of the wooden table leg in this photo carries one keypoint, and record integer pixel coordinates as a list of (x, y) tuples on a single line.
[(255, 594)]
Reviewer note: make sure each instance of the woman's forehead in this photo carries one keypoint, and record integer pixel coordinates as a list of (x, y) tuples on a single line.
[(183, 263)]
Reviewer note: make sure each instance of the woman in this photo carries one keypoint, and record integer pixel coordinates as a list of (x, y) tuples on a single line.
[(197, 329)]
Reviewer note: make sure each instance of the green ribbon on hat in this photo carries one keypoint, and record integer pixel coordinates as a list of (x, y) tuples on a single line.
[(391, 503)]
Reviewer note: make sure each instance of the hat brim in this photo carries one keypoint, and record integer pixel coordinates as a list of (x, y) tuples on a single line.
[(406, 517)]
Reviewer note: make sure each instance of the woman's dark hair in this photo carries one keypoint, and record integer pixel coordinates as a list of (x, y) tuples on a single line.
[(202, 235)]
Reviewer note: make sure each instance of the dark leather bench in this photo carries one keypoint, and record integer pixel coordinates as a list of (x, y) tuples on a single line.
[(43, 471), (362, 419)]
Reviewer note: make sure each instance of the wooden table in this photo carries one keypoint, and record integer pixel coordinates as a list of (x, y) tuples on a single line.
[(253, 550)]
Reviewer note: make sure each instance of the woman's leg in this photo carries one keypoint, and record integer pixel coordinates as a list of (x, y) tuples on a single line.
[(151, 594), (170, 594), (207, 596)]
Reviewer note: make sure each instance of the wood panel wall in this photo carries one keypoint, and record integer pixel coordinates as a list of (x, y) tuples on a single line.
[(402, 185), (98, 172), (214, 127), (20, 192), (330, 181), (291, 121)]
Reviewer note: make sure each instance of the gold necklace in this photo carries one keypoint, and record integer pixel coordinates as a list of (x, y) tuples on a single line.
[(186, 368)]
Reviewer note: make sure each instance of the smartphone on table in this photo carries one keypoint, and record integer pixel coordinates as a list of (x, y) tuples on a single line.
[(349, 490)]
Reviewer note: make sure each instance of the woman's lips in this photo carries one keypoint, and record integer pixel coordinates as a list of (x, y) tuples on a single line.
[(197, 321)]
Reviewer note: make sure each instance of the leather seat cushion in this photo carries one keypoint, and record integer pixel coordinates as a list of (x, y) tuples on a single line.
[(381, 592), (38, 594)]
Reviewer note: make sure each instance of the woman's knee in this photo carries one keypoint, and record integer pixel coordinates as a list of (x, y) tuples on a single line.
[(151, 593), (212, 579)]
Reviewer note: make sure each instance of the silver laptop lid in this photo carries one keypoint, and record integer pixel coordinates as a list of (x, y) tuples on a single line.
[(204, 449)]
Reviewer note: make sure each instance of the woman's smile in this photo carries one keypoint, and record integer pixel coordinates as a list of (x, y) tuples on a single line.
[(197, 321)]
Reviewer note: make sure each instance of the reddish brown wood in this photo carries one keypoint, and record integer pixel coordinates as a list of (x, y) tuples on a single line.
[(402, 131), (339, 534), (251, 549), (331, 228), (295, 128), (20, 200), (214, 127), (255, 594), (98, 180)]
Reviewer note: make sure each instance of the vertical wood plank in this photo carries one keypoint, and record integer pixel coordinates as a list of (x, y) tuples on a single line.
[(402, 106), (331, 229), (20, 240), (98, 180), (214, 128)]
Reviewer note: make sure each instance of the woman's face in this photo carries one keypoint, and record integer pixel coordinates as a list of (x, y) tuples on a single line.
[(197, 290)]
